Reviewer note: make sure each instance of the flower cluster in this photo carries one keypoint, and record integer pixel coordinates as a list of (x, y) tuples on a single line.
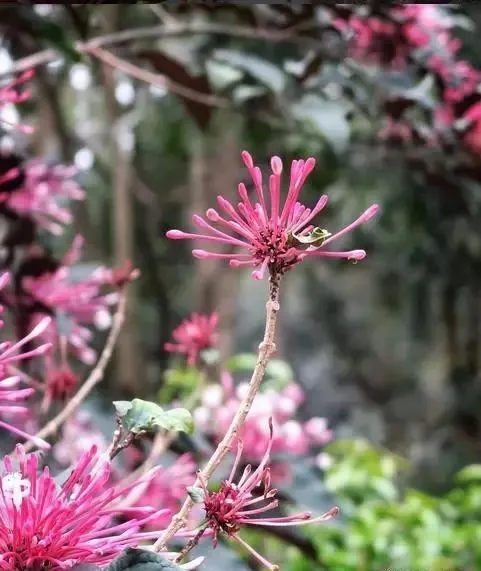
[(420, 33), (76, 301), (244, 502), (194, 335), (271, 235), (41, 194), (51, 526), (221, 402)]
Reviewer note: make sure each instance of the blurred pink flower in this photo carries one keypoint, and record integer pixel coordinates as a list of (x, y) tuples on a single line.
[(78, 302), (51, 526), (194, 335), (168, 489), (11, 94), (272, 236), (219, 404), (79, 434), (245, 501), (10, 354), (44, 189)]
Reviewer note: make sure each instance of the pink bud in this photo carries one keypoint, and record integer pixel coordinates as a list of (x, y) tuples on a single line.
[(212, 215), (175, 234), (276, 165), (370, 213), (200, 254), (357, 255), (247, 158)]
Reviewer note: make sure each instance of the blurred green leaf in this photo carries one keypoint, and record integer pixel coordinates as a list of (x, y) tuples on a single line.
[(144, 416), (262, 70), (469, 474)]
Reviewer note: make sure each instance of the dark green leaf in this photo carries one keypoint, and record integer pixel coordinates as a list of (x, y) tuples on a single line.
[(141, 560), (50, 32), (144, 416)]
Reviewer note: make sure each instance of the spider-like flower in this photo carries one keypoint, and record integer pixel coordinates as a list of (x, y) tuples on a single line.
[(271, 236), (241, 503), (51, 526), (194, 335), (76, 302), (44, 188)]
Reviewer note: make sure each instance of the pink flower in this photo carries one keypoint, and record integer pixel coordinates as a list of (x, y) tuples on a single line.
[(77, 302), (51, 526), (43, 189), (241, 503), (79, 434), (9, 355), (11, 95), (194, 335), (271, 236), (168, 488), (219, 404)]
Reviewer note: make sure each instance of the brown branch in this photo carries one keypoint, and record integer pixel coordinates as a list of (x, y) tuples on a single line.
[(92, 380), (168, 31), (155, 78), (266, 350)]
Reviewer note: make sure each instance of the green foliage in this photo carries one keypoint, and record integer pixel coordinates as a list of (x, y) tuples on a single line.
[(143, 416), (179, 382), (278, 372), (383, 526)]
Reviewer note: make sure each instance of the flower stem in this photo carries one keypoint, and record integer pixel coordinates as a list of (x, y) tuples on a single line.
[(266, 350)]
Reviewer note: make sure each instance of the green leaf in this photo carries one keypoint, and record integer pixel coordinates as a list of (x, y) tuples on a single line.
[(327, 117), (279, 370), (141, 560), (197, 495), (469, 473), (144, 416), (51, 33), (242, 362), (262, 70)]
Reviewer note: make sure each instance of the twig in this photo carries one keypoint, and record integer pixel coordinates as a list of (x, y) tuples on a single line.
[(266, 350), (154, 78), (93, 379), (166, 31)]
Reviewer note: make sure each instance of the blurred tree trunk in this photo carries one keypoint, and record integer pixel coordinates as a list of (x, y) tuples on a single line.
[(213, 172), (129, 363)]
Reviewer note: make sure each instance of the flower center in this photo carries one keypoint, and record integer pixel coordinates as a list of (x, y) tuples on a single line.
[(17, 487)]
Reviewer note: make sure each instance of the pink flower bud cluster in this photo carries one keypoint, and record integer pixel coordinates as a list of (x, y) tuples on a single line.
[(221, 402)]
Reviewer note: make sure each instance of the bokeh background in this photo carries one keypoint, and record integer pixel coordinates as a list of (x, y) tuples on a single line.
[(388, 350)]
